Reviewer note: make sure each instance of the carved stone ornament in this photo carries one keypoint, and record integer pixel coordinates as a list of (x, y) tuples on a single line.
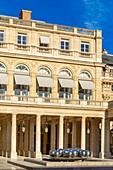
[(106, 96)]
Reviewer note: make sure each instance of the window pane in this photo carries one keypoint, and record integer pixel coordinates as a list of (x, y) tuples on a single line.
[(87, 48), (25, 92), (112, 88), (19, 39), (1, 36), (82, 47), (67, 46), (62, 44), (2, 91), (17, 92), (24, 39)]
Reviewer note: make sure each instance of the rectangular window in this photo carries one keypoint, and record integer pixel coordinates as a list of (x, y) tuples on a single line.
[(21, 39), (44, 41), (112, 88), (84, 47), (64, 44), (1, 36)]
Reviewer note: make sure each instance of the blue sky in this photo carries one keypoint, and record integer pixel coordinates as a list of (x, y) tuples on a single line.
[(91, 14)]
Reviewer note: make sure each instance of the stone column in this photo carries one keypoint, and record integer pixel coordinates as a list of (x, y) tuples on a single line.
[(31, 144), (102, 153), (45, 135), (38, 137), (13, 138), (21, 140), (4, 138), (53, 134), (83, 133), (107, 138), (26, 137), (61, 132), (8, 137), (74, 134), (94, 137), (65, 136)]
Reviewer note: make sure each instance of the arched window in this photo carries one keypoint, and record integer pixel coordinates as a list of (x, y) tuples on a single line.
[(65, 73), (3, 80), (2, 67), (44, 83), (22, 80), (65, 84), (85, 86), (22, 68), (43, 71), (85, 75)]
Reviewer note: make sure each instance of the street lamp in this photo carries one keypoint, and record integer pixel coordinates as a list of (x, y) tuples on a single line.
[(23, 126), (46, 126), (88, 129), (68, 128), (0, 127)]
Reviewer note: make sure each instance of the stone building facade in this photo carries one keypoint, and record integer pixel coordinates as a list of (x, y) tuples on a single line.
[(52, 89)]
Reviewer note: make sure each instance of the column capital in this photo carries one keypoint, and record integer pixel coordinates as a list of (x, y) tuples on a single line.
[(39, 115), (62, 116), (83, 117), (14, 113)]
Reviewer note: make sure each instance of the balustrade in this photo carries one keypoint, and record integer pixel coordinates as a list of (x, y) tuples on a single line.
[(57, 101)]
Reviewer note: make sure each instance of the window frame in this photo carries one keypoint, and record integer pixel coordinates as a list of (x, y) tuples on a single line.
[(22, 41), (42, 44), (84, 48), (1, 38), (112, 88), (21, 70), (64, 46)]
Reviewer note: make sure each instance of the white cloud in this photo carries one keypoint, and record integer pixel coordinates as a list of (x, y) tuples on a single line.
[(94, 14)]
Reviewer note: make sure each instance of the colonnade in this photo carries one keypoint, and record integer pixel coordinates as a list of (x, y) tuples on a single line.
[(13, 143)]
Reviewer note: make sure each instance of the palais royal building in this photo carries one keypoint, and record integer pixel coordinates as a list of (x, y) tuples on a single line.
[(56, 89)]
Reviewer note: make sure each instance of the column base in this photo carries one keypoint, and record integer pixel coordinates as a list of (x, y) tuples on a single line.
[(39, 155), (107, 155), (31, 154), (102, 155), (13, 155)]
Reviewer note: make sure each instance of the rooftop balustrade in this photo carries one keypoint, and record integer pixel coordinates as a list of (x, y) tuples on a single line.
[(107, 74), (44, 25)]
